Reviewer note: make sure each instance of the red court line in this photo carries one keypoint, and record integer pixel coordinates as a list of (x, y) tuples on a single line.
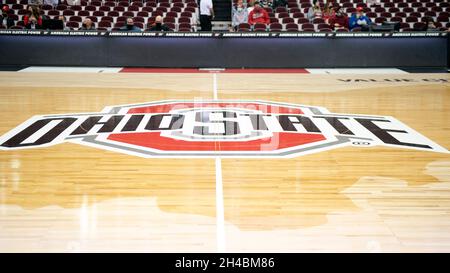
[(195, 70)]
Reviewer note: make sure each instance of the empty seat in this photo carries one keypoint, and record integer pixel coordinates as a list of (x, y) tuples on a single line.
[(75, 19), (83, 13), (307, 25), (184, 20), (275, 27), (184, 25), (104, 24), (73, 25), (244, 27), (98, 13), (68, 12), (107, 19), (283, 15), (90, 8), (287, 20), (291, 27), (104, 8), (323, 25)]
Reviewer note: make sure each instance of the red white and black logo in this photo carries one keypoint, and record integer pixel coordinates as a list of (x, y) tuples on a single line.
[(216, 128)]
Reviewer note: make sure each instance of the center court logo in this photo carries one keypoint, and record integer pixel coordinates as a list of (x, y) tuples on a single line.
[(215, 128)]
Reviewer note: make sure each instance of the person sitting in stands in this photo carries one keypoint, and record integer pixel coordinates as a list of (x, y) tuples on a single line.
[(5, 20), (315, 11), (329, 11), (33, 23), (358, 19), (273, 3), (239, 15), (158, 25), (258, 15), (130, 26), (87, 25), (339, 20), (33, 19), (63, 19), (429, 25)]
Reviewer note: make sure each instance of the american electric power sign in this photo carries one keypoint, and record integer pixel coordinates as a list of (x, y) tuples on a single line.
[(216, 129)]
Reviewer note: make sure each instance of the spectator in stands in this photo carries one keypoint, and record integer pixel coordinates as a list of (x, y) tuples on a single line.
[(279, 3), (258, 15), (239, 14), (430, 25), (273, 3), (315, 11), (5, 20), (158, 25), (129, 26), (33, 19), (329, 11), (206, 14), (87, 25), (339, 20), (358, 19), (63, 19), (33, 23)]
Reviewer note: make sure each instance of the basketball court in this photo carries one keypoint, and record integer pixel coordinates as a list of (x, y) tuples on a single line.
[(358, 196)]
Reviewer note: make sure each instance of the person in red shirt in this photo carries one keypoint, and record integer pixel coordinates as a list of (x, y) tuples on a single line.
[(329, 11), (339, 20), (33, 18), (258, 15)]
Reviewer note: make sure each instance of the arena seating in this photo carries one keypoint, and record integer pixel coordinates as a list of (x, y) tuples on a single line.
[(181, 14), (111, 15), (409, 13)]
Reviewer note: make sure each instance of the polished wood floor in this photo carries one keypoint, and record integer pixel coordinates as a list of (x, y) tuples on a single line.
[(71, 198)]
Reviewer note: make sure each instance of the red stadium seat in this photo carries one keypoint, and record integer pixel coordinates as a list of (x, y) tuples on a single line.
[(90, 8), (292, 27), (83, 13), (275, 27), (53, 13), (287, 20), (185, 25), (73, 25), (301, 21), (107, 19), (75, 19), (68, 12), (61, 7), (96, 3), (323, 25), (98, 13), (283, 15), (133, 8), (128, 14), (307, 25), (113, 13), (104, 24), (318, 21), (244, 27), (184, 20)]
